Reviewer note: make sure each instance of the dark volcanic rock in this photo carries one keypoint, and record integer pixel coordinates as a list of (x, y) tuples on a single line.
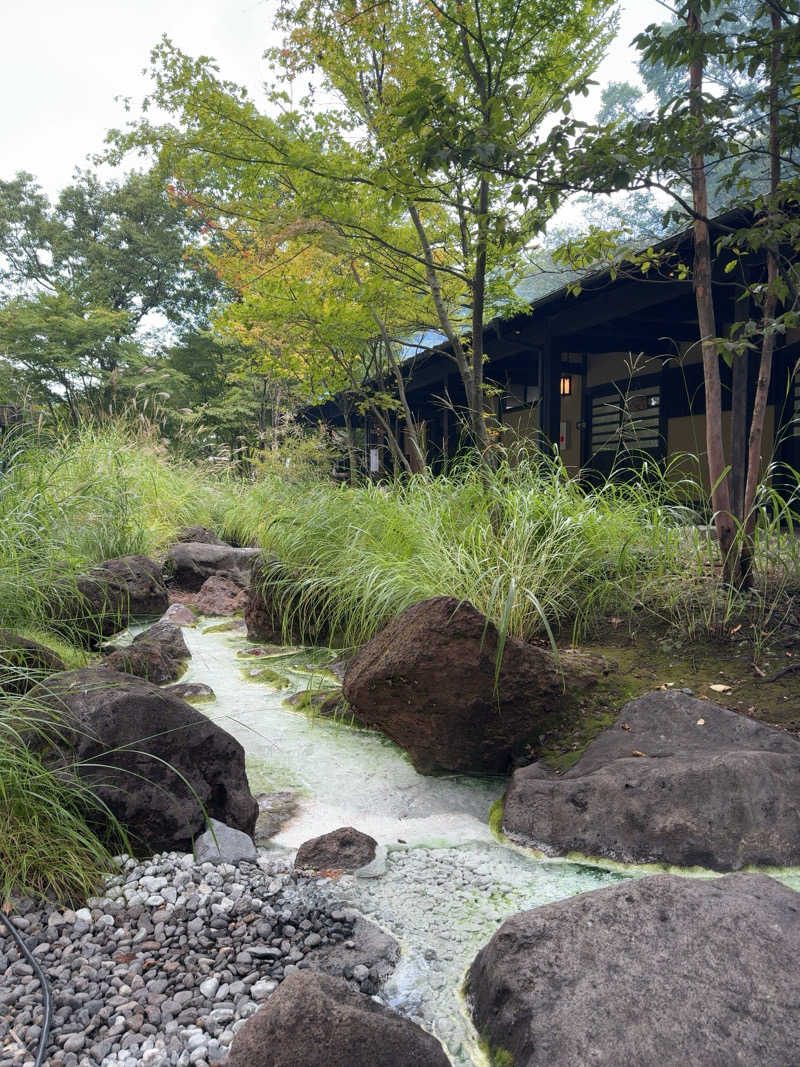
[(318, 1021), (145, 661), (88, 608), (167, 637), (23, 663), (158, 654), (179, 615), (428, 682), (141, 580), (220, 596), (345, 849), (659, 972), (134, 744), (189, 565), (199, 535), (709, 787)]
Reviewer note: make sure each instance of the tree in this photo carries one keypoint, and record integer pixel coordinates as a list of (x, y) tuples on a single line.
[(436, 104), (81, 277), (673, 149)]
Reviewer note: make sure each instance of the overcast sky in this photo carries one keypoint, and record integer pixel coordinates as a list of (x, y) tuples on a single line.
[(64, 62)]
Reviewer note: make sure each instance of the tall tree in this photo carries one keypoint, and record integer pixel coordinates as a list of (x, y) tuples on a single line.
[(756, 131), (435, 105)]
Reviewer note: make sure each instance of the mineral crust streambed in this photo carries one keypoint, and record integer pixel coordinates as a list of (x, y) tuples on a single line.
[(442, 883)]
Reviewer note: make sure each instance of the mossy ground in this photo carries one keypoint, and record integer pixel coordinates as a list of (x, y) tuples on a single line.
[(646, 656)]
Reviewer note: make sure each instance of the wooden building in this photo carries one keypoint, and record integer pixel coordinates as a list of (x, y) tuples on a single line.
[(614, 372)]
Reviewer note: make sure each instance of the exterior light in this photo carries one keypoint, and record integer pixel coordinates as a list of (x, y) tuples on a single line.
[(565, 385)]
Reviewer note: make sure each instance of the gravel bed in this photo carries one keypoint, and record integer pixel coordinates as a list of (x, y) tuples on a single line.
[(167, 965)]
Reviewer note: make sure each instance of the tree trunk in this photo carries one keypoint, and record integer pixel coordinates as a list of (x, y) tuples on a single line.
[(770, 306), (715, 450)]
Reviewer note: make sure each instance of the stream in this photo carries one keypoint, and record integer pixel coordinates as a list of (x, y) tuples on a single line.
[(442, 882)]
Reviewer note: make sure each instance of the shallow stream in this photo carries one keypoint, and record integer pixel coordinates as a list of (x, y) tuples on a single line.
[(448, 882)]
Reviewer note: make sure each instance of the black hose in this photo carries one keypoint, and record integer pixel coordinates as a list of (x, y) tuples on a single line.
[(48, 996)]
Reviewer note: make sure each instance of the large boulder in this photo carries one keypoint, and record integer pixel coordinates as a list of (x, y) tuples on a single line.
[(141, 580), (675, 780), (345, 849), (220, 596), (23, 663), (430, 682), (318, 1021), (659, 972), (159, 765), (190, 564), (168, 637), (89, 607)]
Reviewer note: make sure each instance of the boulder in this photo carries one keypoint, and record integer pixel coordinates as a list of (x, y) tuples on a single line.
[(145, 661), (318, 1021), (220, 596), (141, 580), (89, 607), (429, 681), (158, 654), (23, 663), (345, 849), (150, 757), (179, 615), (199, 535), (222, 844), (657, 972), (675, 780), (190, 564), (167, 637)]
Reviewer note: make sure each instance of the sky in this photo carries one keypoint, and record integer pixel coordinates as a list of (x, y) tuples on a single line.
[(64, 64)]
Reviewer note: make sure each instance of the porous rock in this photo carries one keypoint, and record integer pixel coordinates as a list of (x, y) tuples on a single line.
[(658, 972), (675, 780), (179, 615), (158, 654), (429, 682), (158, 764), (220, 596), (141, 580), (200, 535), (345, 849), (23, 662), (189, 564), (318, 1021)]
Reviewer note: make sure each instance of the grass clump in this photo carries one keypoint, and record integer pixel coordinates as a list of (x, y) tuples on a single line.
[(47, 845), (528, 546)]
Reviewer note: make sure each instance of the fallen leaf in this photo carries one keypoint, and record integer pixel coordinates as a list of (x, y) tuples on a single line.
[(701, 722), (718, 687), (736, 629), (624, 726), (636, 752), (758, 671)]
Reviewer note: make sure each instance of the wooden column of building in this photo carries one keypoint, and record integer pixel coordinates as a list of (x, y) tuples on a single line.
[(740, 406), (550, 403)]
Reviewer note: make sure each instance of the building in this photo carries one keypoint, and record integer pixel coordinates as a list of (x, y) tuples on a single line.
[(615, 372)]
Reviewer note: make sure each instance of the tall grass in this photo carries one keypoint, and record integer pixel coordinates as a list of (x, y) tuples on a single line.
[(46, 844), (528, 546), (67, 504)]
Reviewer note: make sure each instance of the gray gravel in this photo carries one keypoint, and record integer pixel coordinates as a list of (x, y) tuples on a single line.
[(167, 965)]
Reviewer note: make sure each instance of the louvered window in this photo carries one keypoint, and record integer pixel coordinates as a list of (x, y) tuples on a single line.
[(629, 421)]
